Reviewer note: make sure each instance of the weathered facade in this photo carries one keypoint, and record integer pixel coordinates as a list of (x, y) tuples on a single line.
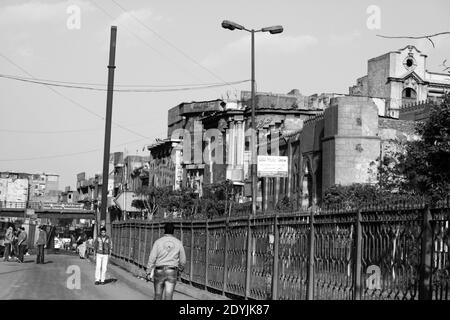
[(336, 147), (401, 77), (165, 165)]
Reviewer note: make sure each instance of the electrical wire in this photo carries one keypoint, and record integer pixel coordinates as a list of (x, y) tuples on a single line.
[(145, 42), (71, 100), (69, 154), (50, 83), (48, 132), (118, 85), (171, 44)]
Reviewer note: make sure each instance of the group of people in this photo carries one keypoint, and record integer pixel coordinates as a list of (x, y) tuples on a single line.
[(16, 244), (167, 257)]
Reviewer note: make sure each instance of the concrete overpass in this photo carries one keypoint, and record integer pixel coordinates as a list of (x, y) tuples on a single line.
[(44, 210)]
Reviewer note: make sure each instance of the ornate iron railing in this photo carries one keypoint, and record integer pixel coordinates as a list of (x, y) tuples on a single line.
[(399, 252)]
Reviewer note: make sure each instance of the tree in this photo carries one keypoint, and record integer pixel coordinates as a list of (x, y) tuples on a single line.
[(426, 162)]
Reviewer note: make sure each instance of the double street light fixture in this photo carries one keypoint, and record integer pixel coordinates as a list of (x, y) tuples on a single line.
[(253, 166)]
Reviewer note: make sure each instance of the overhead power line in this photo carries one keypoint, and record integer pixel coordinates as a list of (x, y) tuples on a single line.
[(171, 44), (53, 83), (71, 100), (48, 132), (146, 43), (118, 85), (69, 154)]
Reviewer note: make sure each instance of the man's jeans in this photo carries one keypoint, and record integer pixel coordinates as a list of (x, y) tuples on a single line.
[(164, 279), (7, 252), (22, 248), (40, 253), (100, 267)]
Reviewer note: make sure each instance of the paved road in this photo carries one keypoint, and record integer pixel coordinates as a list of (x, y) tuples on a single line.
[(49, 281)]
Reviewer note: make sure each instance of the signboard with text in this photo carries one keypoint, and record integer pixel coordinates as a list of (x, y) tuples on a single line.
[(272, 166)]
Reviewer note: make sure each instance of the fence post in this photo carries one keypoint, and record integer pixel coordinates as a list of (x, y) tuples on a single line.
[(129, 242), (206, 253), (191, 267), (275, 258), (310, 294), (358, 258), (249, 259), (139, 245), (225, 260), (145, 244), (119, 253), (425, 290)]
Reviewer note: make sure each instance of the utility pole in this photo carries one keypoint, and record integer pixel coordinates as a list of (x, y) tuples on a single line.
[(109, 100), (254, 157)]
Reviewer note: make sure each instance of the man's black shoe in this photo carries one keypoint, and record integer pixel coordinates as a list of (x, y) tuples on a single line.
[(97, 283), (103, 282)]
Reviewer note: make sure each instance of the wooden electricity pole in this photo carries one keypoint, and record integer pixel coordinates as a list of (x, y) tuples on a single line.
[(108, 120)]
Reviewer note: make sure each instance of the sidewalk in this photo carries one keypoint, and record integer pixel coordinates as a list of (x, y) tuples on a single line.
[(135, 277)]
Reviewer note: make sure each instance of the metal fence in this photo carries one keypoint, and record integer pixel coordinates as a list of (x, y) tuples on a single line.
[(370, 253)]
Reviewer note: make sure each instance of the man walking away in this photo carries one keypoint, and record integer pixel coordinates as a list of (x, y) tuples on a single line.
[(8, 240), (41, 242), (102, 250), (166, 259), (22, 243)]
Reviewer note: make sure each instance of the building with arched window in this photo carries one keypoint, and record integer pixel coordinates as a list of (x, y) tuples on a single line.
[(401, 78)]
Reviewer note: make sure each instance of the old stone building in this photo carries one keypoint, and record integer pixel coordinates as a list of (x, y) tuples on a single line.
[(165, 165), (328, 138), (336, 147), (401, 78)]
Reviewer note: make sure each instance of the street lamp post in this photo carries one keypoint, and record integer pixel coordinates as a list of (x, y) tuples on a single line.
[(253, 166)]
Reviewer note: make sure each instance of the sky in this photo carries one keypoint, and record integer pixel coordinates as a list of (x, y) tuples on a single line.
[(324, 47)]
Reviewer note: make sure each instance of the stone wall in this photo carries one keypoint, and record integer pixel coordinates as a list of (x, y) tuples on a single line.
[(351, 141)]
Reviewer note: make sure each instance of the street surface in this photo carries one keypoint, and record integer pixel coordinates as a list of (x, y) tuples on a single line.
[(31, 281)]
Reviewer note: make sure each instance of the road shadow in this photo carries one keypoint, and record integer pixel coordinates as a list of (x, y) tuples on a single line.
[(47, 262), (111, 280)]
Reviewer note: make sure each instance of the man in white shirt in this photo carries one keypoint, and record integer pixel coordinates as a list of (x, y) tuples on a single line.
[(166, 259)]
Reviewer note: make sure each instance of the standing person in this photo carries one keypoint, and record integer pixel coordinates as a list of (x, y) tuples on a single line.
[(14, 246), (81, 242), (89, 246), (22, 244), (41, 242), (8, 239), (166, 259), (102, 250)]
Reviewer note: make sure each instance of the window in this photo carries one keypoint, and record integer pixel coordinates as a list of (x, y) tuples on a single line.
[(409, 63), (409, 93)]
